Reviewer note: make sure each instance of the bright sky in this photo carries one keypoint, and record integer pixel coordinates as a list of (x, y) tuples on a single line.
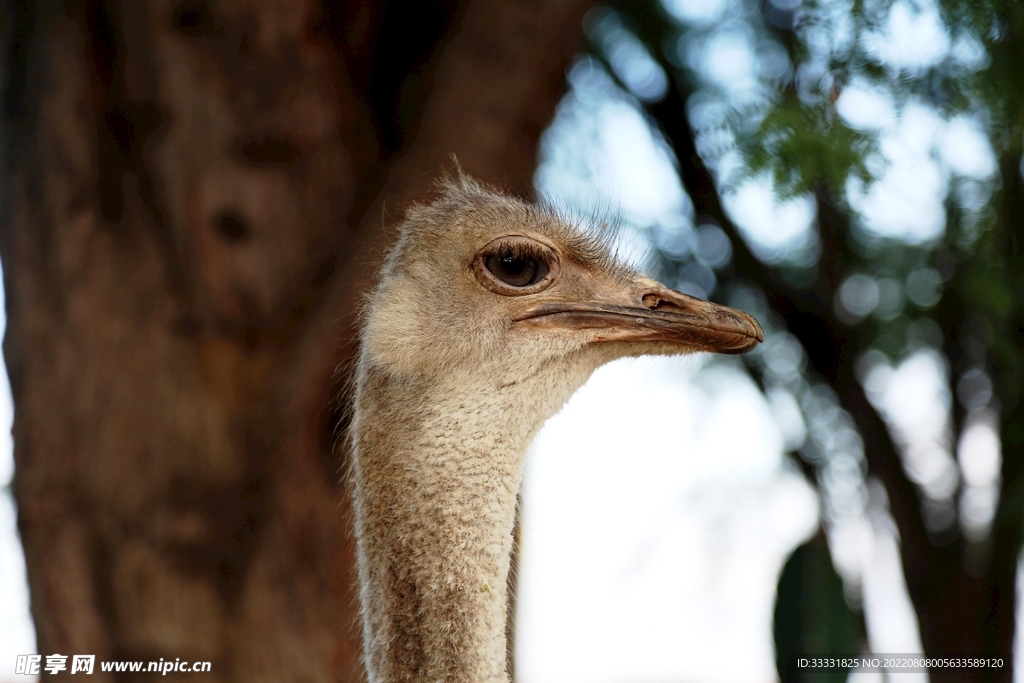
[(17, 635), (657, 515)]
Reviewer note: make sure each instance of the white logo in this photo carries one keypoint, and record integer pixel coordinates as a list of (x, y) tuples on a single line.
[(55, 663), (28, 664), (83, 663)]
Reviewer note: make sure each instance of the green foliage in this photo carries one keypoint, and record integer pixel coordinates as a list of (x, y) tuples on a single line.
[(804, 146), (812, 616), (805, 143)]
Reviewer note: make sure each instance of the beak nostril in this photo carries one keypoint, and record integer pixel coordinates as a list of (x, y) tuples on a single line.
[(652, 301), (656, 302)]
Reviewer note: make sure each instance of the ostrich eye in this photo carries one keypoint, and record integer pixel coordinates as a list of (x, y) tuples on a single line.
[(516, 270), (515, 265)]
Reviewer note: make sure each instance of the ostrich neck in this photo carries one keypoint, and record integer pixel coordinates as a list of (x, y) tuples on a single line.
[(436, 473)]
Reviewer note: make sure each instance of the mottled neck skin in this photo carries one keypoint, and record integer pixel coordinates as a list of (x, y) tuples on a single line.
[(437, 467)]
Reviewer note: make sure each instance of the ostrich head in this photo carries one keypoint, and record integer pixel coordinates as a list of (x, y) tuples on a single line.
[(488, 315)]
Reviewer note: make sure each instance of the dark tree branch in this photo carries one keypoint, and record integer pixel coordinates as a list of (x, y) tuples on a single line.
[(933, 573), (831, 346)]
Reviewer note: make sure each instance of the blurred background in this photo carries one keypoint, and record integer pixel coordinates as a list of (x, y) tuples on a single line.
[(849, 172)]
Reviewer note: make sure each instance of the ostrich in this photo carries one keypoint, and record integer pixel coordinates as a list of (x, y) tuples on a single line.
[(488, 315)]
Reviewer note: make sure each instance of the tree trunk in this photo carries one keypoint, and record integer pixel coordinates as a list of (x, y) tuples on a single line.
[(194, 197)]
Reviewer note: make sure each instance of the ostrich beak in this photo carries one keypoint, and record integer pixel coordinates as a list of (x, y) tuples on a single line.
[(648, 311)]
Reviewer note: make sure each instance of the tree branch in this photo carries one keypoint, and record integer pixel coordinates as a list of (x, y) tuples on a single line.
[(831, 346)]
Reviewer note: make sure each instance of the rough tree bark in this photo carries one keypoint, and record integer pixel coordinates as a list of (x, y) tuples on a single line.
[(194, 197)]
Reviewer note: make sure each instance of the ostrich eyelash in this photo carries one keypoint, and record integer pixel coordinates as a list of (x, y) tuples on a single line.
[(521, 250)]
